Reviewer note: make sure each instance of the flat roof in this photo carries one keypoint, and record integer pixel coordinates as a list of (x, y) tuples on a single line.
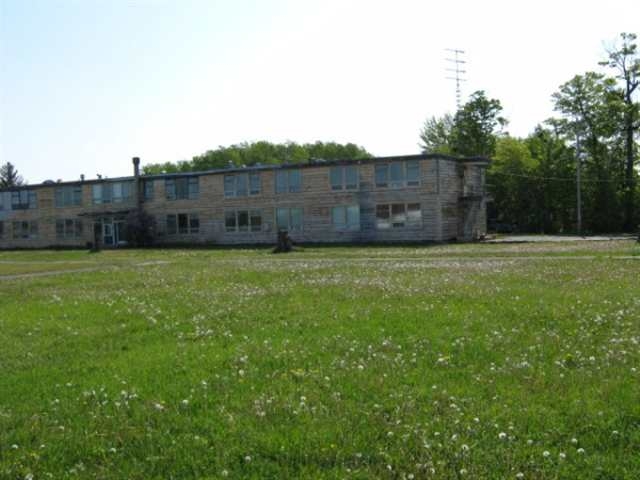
[(258, 167)]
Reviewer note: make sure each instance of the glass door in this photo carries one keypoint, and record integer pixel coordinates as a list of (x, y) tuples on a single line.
[(108, 232)]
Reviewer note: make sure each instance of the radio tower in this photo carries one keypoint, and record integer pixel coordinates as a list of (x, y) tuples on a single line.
[(456, 62)]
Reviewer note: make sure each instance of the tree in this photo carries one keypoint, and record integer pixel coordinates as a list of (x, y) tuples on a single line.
[(435, 135), (9, 176), (592, 112), (262, 152), (625, 60), (476, 126)]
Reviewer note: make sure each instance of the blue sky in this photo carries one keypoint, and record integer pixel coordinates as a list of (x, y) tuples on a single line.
[(86, 85)]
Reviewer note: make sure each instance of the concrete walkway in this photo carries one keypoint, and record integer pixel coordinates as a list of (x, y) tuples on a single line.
[(557, 238)]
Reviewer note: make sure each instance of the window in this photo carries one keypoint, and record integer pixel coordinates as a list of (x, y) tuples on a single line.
[(289, 219), (1, 229), (344, 177), (288, 181), (68, 228), (398, 174), (181, 188), (243, 221), (23, 199), (239, 184), (25, 229), (346, 217), (183, 224), (68, 196), (147, 186), (111, 192), (398, 215)]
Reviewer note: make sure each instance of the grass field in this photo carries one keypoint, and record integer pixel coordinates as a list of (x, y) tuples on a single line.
[(458, 361)]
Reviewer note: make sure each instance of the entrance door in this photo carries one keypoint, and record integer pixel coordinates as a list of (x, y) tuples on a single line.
[(108, 233)]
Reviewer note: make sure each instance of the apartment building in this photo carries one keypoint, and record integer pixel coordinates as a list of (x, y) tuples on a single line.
[(414, 198)]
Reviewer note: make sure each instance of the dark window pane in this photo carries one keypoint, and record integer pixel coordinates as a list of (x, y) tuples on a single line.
[(241, 184), (229, 185), (295, 181), (413, 172), (243, 221), (170, 188), (282, 218), (172, 225), (382, 173), (335, 177), (281, 181), (338, 217), (194, 223), (398, 217), (194, 187), (296, 219), (382, 217), (230, 221), (351, 176), (396, 174), (254, 181), (60, 228), (256, 220), (183, 223)]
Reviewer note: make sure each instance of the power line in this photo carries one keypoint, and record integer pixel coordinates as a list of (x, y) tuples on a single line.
[(456, 62), (559, 179)]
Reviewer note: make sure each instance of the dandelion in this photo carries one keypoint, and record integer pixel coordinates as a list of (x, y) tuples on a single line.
[(502, 436), (546, 454), (158, 406), (581, 451), (465, 448), (247, 458), (519, 475), (224, 473), (562, 456), (28, 476), (574, 441), (463, 471), (185, 402), (14, 447)]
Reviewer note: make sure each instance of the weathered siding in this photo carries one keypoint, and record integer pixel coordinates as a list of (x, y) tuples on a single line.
[(450, 194)]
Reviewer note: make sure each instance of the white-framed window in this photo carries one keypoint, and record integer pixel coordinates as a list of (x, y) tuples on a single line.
[(398, 174), (289, 219), (243, 221), (111, 192), (288, 181), (344, 177), (23, 199), (26, 230), (182, 188), (68, 196), (242, 184), (183, 224), (68, 228), (346, 217), (398, 215)]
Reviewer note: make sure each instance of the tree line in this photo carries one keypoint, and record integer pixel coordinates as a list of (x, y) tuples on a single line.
[(532, 180)]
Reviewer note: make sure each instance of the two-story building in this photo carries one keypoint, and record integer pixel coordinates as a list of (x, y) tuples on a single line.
[(415, 198)]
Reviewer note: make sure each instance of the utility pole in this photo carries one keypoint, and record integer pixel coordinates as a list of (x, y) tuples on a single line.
[(456, 62), (578, 187)]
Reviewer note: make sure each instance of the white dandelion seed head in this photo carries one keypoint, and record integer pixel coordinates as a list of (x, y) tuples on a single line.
[(546, 453)]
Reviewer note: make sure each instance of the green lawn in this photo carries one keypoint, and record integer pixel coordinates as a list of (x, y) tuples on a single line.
[(455, 361)]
